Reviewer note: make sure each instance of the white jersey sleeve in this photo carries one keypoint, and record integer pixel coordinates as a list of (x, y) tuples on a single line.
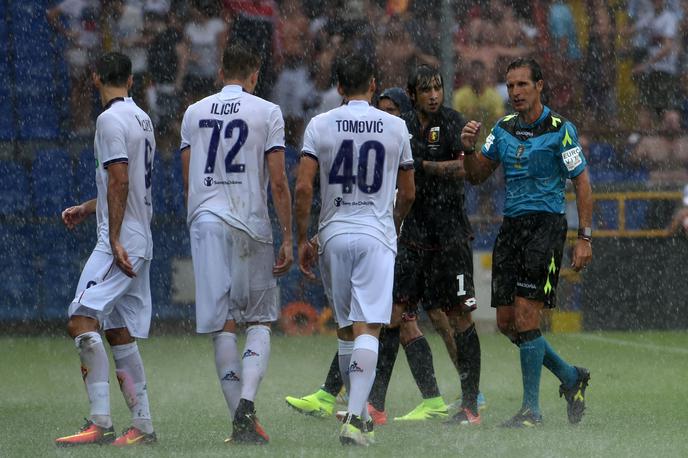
[(275, 139), (112, 139)]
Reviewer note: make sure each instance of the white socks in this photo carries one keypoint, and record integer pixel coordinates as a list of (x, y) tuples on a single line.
[(95, 371), (228, 368), (362, 373), (132, 383), (254, 360)]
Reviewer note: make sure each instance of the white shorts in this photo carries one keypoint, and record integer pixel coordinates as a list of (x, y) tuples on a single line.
[(233, 275), (105, 293), (358, 276)]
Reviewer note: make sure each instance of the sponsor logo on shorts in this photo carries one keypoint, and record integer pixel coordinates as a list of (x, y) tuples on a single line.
[(248, 353), (231, 376), (338, 202), (526, 285)]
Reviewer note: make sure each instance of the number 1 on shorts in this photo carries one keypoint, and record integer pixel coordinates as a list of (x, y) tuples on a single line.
[(461, 291)]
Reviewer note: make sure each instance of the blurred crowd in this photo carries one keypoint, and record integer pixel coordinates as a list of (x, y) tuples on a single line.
[(616, 68)]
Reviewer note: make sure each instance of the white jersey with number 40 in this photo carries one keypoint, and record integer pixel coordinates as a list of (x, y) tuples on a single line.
[(229, 134), (124, 134), (359, 150)]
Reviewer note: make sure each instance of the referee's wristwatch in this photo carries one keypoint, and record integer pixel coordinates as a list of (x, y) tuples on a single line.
[(585, 233)]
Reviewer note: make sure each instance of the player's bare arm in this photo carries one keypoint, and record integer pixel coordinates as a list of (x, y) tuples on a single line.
[(478, 167), (75, 215), (118, 190), (582, 251), (406, 194), (448, 169), (186, 157), (303, 196), (281, 197)]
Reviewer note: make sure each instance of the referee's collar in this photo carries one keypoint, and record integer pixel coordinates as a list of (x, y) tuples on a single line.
[(231, 91), (543, 115)]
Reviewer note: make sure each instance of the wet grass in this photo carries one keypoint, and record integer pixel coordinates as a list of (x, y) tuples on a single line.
[(637, 401)]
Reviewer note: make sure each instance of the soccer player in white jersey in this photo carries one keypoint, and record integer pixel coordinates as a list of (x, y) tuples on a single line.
[(362, 154), (232, 146), (114, 289)]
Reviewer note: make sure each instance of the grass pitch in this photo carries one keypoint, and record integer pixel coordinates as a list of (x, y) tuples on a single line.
[(637, 400)]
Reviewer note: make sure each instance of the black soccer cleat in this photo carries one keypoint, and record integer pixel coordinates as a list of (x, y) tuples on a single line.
[(247, 430), (525, 418), (575, 396)]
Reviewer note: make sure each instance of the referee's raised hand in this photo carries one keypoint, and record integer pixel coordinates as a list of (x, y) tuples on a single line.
[(469, 134)]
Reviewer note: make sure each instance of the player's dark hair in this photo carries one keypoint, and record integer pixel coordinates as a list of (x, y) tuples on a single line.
[(527, 62), (354, 73), (113, 69), (423, 77), (239, 61)]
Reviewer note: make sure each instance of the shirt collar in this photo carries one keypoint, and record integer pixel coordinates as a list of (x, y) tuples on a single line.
[(543, 115), (231, 91)]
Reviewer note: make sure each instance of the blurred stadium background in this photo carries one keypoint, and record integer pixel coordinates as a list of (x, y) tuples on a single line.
[(630, 303), (637, 280)]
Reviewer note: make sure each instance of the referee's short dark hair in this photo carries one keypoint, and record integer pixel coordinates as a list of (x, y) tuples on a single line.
[(423, 77), (528, 62), (113, 69), (239, 61), (354, 73)]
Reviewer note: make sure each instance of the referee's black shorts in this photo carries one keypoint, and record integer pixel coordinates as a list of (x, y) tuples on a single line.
[(527, 258)]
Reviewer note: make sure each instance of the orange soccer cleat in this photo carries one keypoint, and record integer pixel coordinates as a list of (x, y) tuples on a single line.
[(90, 433), (134, 436)]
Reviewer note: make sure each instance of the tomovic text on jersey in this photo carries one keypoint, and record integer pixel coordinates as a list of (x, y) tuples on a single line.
[(360, 127)]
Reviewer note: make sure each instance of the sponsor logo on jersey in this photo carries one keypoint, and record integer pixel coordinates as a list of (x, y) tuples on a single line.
[(489, 140), (572, 158), (209, 181), (434, 134), (524, 133), (338, 202)]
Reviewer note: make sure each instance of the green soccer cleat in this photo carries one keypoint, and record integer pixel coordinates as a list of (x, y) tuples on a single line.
[(429, 409), (319, 404), (575, 396), (353, 431)]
